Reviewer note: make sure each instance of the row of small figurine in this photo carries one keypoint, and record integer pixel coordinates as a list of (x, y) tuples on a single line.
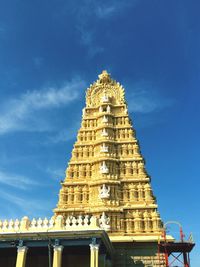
[(103, 109), (115, 121), (128, 168), (127, 194), (114, 169), (106, 133), (114, 150)]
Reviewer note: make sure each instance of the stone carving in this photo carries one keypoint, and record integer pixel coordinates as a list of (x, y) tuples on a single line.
[(104, 222), (103, 168), (83, 112), (110, 88), (104, 99), (105, 119), (104, 148), (141, 169), (108, 110), (104, 192), (100, 109), (104, 132)]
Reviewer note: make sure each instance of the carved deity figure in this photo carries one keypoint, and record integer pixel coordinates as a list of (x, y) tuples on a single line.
[(104, 168), (104, 148), (105, 119), (104, 192), (141, 169), (135, 149), (83, 112), (104, 132), (100, 109), (104, 222), (104, 99), (108, 109)]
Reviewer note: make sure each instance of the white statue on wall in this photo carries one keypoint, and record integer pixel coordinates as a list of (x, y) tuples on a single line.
[(83, 112), (105, 119), (108, 109), (104, 222), (104, 132), (104, 98), (104, 148), (104, 168), (104, 192)]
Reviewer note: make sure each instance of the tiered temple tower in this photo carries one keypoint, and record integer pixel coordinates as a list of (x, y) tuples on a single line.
[(106, 175), (106, 214)]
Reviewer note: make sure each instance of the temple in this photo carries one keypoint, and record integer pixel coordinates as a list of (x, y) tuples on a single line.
[(106, 175), (106, 214)]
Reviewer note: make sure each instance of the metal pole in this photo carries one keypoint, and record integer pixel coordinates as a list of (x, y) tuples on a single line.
[(189, 259), (185, 259), (181, 234)]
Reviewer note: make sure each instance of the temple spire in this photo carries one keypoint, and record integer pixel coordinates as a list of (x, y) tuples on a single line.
[(106, 176)]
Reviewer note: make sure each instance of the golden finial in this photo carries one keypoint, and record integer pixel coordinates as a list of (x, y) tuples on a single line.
[(104, 77)]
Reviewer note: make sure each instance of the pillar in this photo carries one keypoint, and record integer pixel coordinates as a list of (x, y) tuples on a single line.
[(21, 256), (94, 255), (57, 256)]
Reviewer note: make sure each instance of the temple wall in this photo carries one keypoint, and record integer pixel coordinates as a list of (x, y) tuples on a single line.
[(137, 255)]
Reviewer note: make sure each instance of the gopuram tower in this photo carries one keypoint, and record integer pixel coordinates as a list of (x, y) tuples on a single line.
[(106, 175), (107, 214)]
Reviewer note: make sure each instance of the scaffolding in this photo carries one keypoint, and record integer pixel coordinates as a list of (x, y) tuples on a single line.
[(177, 252)]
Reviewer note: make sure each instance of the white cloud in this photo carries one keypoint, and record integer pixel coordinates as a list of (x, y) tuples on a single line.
[(56, 174), (65, 135), (26, 205), (145, 99), (91, 11), (106, 11), (87, 39), (111, 8), (17, 181), (18, 113)]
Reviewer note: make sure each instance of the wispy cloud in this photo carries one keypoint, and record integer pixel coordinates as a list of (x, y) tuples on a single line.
[(38, 62), (65, 134), (143, 98), (87, 39), (90, 13), (105, 11), (56, 174), (18, 113), (15, 180), (108, 9), (26, 205)]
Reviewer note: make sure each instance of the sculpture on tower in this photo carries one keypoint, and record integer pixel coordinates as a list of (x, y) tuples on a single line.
[(104, 192)]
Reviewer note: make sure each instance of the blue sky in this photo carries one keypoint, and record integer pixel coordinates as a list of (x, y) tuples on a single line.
[(50, 51)]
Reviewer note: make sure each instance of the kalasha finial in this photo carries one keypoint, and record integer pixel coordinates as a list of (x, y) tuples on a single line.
[(104, 77)]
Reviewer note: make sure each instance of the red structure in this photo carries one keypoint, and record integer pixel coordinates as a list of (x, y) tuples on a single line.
[(177, 252)]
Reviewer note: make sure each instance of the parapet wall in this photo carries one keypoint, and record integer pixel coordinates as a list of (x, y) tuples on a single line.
[(49, 225)]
